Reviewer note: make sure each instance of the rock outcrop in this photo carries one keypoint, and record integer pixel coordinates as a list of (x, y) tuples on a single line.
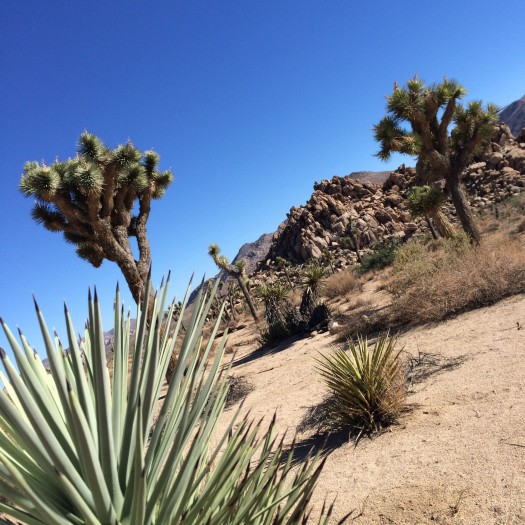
[(379, 213)]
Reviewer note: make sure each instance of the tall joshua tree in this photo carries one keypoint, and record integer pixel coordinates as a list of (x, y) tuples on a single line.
[(237, 271), (91, 199), (429, 111)]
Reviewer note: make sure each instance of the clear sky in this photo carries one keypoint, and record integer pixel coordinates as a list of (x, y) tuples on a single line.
[(249, 102)]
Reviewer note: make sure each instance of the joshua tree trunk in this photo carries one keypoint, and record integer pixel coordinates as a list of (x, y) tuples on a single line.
[(231, 300), (442, 224), (431, 226), (355, 242), (463, 209), (247, 296), (287, 273)]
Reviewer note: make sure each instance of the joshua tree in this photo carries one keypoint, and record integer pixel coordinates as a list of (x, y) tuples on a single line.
[(91, 199), (429, 111), (426, 201), (329, 257), (237, 271), (285, 265)]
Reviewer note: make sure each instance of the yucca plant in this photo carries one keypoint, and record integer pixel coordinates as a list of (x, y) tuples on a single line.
[(81, 446), (427, 201), (278, 310), (368, 386), (314, 276)]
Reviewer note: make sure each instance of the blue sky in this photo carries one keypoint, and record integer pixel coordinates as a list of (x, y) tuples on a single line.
[(248, 102)]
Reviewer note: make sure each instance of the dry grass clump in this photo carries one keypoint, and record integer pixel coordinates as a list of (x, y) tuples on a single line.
[(340, 284), (239, 388), (368, 385), (365, 319), (433, 281)]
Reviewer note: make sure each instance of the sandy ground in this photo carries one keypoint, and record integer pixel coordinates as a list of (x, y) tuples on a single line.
[(456, 457)]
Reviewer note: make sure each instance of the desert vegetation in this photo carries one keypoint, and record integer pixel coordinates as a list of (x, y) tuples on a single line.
[(432, 281), (78, 447), (367, 386), (429, 111), (105, 440), (91, 199)]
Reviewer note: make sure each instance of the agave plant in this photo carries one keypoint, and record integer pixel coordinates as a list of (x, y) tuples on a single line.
[(79, 445), (368, 386)]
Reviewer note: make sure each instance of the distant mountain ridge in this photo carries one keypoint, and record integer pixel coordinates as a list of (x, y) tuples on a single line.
[(252, 252), (514, 116), (376, 177)]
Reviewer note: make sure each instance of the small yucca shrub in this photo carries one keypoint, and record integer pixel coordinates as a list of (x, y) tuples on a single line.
[(78, 446), (368, 387)]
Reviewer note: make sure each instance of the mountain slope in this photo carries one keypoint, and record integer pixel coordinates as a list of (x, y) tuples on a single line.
[(514, 116)]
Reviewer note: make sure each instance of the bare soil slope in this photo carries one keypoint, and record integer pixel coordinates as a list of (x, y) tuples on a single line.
[(458, 454)]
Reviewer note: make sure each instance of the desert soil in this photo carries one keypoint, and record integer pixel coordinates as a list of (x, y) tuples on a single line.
[(457, 456)]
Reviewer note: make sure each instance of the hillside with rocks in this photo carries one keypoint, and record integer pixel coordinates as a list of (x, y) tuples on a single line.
[(379, 212), (253, 252), (514, 115)]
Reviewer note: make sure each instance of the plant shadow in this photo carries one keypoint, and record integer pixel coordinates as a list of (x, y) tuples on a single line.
[(323, 443), (268, 350), (425, 365)]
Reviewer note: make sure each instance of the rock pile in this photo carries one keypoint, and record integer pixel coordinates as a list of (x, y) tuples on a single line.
[(378, 213)]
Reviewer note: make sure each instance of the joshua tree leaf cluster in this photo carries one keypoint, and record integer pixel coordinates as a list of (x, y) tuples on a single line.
[(426, 201)]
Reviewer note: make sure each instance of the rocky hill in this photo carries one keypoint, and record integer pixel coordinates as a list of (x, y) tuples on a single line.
[(378, 211), (514, 116), (253, 252)]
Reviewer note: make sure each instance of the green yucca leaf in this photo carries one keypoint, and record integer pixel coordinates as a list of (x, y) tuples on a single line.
[(80, 446)]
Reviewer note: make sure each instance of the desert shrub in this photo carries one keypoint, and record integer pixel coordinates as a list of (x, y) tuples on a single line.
[(278, 311), (238, 389), (320, 316), (520, 228), (296, 322), (363, 320), (274, 334), (341, 283), (368, 386), (382, 256), (79, 447), (431, 282)]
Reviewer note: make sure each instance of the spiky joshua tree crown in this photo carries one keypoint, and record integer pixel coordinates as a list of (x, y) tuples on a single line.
[(91, 199)]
